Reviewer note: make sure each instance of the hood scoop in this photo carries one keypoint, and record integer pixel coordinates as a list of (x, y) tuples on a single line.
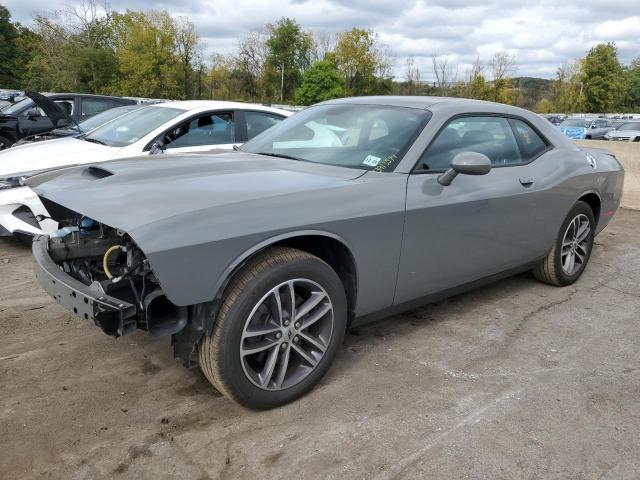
[(96, 173)]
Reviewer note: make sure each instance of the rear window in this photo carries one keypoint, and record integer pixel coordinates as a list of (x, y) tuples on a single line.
[(531, 144)]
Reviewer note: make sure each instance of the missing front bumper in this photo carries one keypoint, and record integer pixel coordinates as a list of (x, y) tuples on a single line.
[(114, 316)]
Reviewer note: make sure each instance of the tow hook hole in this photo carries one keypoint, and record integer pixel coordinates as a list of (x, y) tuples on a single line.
[(53, 281)]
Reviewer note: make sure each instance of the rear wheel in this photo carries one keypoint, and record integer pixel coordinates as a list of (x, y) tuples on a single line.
[(570, 254), (280, 324)]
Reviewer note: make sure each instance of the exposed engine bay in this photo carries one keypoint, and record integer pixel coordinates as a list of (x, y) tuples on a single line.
[(108, 260)]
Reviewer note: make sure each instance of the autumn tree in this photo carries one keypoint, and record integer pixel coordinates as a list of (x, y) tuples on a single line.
[(567, 91), (475, 85), (446, 74), (501, 67), (145, 46), (364, 62)]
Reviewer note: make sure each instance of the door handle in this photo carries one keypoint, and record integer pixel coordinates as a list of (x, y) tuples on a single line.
[(527, 182)]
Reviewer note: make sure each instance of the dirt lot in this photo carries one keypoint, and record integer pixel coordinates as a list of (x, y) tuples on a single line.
[(516, 380)]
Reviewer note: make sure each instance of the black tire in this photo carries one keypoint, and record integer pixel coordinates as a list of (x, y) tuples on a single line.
[(5, 143), (550, 270), (220, 353)]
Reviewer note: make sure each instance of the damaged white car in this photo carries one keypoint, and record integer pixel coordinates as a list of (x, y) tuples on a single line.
[(174, 127)]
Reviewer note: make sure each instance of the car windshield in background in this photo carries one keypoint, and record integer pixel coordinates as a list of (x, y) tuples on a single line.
[(106, 116), (130, 128), (17, 107), (576, 123), (629, 126), (356, 136)]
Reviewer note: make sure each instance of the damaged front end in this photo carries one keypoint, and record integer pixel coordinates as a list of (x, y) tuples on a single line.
[(100, 274)]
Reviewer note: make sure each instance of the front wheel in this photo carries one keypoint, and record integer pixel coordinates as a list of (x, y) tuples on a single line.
[(570, 254), (280, 324)]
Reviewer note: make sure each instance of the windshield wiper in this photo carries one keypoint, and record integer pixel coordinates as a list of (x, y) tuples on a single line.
[(94, 140), (282, 155)]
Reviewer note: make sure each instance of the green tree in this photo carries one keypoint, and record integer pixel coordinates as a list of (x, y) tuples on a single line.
[(363, 61), (544, 105), (288, 55), (602, 77), (145, 49), (8, 56), (319, 83), (631, 101)]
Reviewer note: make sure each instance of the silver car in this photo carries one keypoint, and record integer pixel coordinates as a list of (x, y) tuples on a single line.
[(586, 128), (256, 261), (626, 132)]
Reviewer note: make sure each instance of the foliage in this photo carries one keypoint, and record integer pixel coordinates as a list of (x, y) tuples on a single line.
[(544, 105), (631, 97), (602, 77), (319, 83), (289, 54), (363, 61), (145, 46), (91, 48)]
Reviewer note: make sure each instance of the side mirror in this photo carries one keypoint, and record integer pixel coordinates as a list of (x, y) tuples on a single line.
[(33, 113), (466, 163), (156, 148)]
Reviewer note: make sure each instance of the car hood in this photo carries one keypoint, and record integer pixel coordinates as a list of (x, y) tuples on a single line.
[(53, 153), (130, 194), (51, 109)]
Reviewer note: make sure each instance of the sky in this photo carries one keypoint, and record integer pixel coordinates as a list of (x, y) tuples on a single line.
[(540, 35)]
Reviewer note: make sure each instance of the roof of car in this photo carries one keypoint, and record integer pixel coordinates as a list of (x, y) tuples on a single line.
[(216, 104), (406, 101)]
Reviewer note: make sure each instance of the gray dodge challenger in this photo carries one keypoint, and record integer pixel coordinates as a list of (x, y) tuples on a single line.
[(255, 262)]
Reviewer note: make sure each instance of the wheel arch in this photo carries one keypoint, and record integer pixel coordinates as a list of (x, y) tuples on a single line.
[(592, 198), (329, 247)]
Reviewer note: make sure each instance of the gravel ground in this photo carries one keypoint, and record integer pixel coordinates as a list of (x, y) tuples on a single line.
[(514, 380)]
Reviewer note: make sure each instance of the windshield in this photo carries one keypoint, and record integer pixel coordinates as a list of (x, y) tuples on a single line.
[(17, 107), (106, 116), (356, 136), (627, 127), (130, 128), (576, 123)]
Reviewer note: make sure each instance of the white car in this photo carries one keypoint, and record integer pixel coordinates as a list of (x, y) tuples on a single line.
[(171, 127)]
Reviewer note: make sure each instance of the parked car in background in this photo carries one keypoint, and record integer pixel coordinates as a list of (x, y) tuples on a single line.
[(585, 128), (255, 262), (172, 127), (9, 97), (629, 131), (41, 113), (83, 127), (554, 119)]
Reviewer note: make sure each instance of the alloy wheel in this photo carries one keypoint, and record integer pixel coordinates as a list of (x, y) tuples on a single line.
[(575, 244), (286, 334)]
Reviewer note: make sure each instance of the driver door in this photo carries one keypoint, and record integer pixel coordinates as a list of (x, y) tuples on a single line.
[(205, 132), (477, 226)]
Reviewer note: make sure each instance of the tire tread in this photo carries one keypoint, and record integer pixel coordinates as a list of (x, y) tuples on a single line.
[(209, 352)]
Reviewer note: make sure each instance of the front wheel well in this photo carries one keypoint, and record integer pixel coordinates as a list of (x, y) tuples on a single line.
[(337, 255), (593, 200)]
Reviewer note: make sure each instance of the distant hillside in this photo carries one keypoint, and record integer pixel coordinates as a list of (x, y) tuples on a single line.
[(531, 90)]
